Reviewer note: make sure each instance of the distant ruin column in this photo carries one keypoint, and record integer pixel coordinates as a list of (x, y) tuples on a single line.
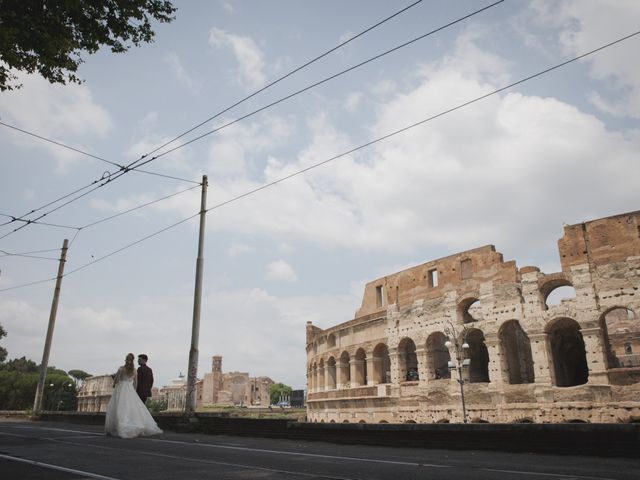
[(371, 370), (329, 377), (496, 370), (540, 353), (319, 379), (393, 361), (356, 372), (423, 364), (596, 356)]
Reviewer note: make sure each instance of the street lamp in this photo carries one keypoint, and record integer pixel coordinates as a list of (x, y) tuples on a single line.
[(453, 340)]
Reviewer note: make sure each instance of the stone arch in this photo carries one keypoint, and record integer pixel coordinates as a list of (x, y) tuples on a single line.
[(515, 349), (345, 421), (383, 421), (621, 332), (469, 310), (331, 340), (407, 359), (344, 370), (478, 356), (523, 420), (362, 421), (361, 368), (479, 420), (438, 356), (381, 364), (331, 373), (568, 352), (558, 283), (442, 420), (332, 421), (410, 421)]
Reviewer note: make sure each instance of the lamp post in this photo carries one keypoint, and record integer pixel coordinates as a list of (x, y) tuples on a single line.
[(453, 340)]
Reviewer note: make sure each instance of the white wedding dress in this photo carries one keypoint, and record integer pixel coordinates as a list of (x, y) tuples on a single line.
[(127, 416)]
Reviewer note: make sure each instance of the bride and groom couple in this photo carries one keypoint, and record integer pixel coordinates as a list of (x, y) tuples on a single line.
[(127, 416)]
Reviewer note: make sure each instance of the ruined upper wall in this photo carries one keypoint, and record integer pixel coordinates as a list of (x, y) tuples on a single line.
[(602, 241), (462, 272)]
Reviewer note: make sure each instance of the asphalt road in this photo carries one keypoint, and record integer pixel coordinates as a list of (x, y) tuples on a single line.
[(47, 451)]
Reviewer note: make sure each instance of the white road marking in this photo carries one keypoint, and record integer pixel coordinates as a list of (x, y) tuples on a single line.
[(302, 454), (33, 427), (556, 475), (57, 467)]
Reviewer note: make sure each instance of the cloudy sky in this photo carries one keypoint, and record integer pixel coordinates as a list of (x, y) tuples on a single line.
[(508, 170)]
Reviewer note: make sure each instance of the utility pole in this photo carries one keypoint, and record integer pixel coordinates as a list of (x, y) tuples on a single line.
[(192, 374), (37, 403)]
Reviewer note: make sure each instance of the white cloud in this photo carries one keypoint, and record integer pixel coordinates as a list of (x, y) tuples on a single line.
[(238, 250), (476, 176), (584, 25), (352, 101), (173, 60), (232, 149), (281, 271), (249, 56), (59, 112)]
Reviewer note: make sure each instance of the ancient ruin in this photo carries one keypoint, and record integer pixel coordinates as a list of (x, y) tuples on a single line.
[(475, 317)]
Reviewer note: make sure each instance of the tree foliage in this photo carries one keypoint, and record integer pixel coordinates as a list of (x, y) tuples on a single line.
[(3, 351), (278, 390), (18, 382), (49, 36), (80, 375)]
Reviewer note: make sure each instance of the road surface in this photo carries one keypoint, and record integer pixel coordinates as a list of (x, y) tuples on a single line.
[(48, 451)]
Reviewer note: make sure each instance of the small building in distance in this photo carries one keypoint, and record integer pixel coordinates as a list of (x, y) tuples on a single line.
[(234, 388)]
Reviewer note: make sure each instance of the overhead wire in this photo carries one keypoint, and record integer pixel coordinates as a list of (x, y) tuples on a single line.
[(13, 254), (423, 121), (124, 169), (274, 82), (91, 155), (313, 85), (374, 141)]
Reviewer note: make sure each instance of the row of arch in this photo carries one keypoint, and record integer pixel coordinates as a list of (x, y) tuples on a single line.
[(470, 309), (565, 343)]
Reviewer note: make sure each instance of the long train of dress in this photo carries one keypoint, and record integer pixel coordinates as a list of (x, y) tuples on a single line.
[(127, 416)]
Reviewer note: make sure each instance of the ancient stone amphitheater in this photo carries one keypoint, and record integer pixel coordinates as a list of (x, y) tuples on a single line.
[(476, 320)]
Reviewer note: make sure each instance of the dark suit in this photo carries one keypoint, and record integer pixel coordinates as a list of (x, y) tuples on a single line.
[(145, 382)]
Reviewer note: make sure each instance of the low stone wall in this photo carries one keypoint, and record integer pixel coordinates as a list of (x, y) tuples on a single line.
[(605, 440)]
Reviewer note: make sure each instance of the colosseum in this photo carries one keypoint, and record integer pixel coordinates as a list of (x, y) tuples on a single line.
[(470, 337)]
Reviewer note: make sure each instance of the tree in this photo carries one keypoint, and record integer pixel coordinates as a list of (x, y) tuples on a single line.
[(278, 390), (79, 376), (18, 381), (49, 36), (3, 351)]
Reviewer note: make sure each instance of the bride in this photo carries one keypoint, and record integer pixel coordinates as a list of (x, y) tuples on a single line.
[(127, 416)]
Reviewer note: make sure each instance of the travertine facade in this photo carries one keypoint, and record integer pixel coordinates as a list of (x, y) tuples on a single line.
[(528, 361), (95, 393)]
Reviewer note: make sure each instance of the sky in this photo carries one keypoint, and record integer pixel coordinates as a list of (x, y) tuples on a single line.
[(508, 170)]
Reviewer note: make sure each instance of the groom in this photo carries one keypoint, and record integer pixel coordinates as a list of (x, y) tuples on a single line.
[(145, 378)]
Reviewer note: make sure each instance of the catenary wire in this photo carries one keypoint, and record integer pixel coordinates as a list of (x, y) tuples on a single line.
[(423, 121), (295, 70), (158, 232), (138, 207), (82, 152), (124, 169), (4, 253), (309, 87), (103, 219), (379, 139)]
